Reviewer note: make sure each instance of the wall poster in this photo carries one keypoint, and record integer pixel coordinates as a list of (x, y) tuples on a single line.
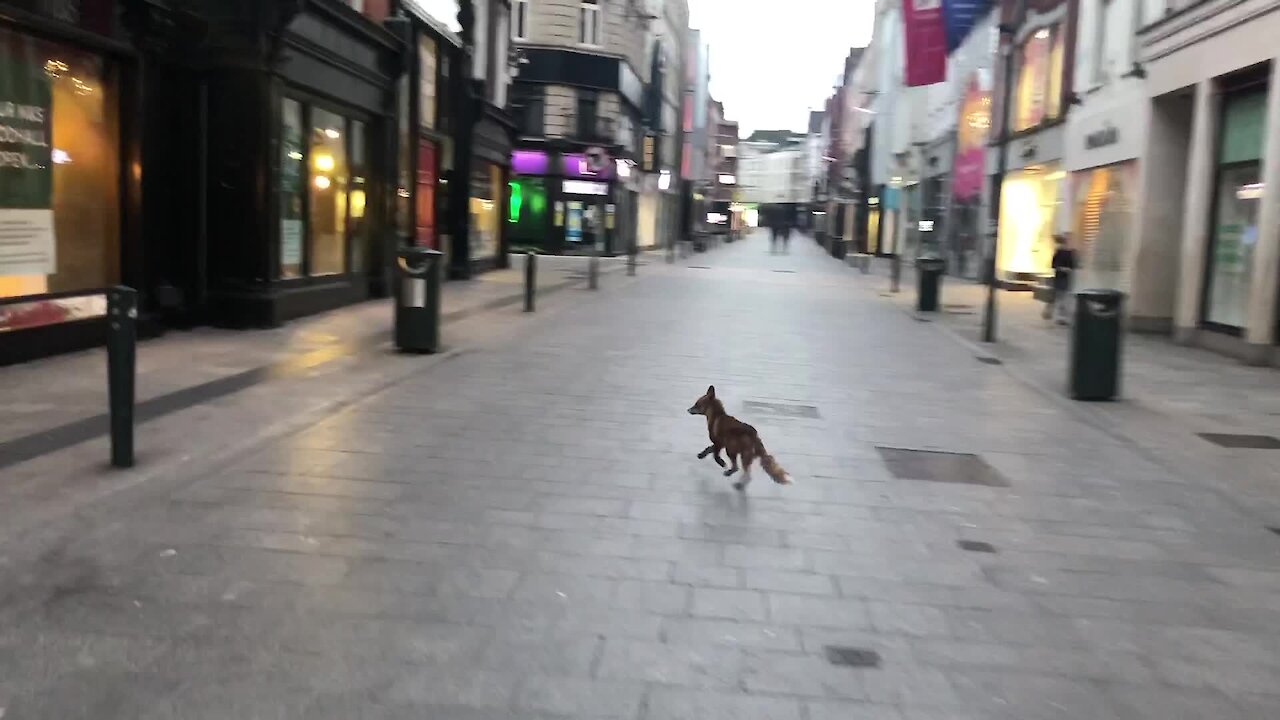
[(27, 244)]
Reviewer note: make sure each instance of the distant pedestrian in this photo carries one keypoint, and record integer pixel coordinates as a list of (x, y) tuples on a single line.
[(1064, 267)]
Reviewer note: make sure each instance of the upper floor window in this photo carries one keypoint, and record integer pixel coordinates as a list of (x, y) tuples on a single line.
[(520, 20), (1038, 92), (589, 23), (586, 117), (528, 106)]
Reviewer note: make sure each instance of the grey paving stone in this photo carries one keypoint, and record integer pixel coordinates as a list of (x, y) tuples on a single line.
[(904, 619), (676, 704), (789, 582), (707, 666), (828, 710), (731, 633), (707, 575), (658, 597), (729, 604), (579, 697), (841, 613)]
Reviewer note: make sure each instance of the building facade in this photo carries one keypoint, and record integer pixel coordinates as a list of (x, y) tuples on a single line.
[(597, 101), (1206, 238)]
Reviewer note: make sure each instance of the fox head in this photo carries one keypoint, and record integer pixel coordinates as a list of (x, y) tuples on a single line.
[(704, 403)]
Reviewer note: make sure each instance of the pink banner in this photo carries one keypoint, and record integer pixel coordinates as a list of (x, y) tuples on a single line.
[(926, 36), (971, 141)]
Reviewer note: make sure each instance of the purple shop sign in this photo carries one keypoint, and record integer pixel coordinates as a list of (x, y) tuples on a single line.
[(529, 162), (578, 167)]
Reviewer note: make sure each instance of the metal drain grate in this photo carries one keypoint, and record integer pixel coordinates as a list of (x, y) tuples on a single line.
[(785, 271), (934, 466), (976, 546), (852, 657), (698, 267), (1275, 530), (920, 318), (1242, 442), (988, 360), (782, 409)]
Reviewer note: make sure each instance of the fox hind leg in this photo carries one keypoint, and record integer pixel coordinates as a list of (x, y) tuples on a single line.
[(747, 459), (733, 465), (714, 452)]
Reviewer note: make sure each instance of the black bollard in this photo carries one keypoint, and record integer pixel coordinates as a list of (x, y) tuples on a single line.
[(631, 261), (122, 354), (593, 272), (530, 279), (895, 272)]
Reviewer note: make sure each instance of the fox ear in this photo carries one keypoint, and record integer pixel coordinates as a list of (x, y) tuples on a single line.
[(711, 390)]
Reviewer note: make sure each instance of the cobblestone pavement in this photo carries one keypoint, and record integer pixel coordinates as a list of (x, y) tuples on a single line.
[(523, 531)]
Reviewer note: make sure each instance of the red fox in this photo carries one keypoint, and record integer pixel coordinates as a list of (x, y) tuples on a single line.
[(737, 439)]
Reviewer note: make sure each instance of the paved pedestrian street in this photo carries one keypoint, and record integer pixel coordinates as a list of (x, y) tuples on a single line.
[(525, 532)]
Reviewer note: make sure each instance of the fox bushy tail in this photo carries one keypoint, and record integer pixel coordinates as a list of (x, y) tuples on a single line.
[(771, 466)]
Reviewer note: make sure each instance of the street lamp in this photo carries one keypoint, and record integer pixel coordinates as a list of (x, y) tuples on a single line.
[(1007, 32)]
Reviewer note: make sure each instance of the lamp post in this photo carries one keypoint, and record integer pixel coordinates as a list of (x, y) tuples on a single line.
[(1007, 32)]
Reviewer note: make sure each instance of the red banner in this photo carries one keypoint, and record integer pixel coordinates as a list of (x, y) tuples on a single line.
[(926, 36)]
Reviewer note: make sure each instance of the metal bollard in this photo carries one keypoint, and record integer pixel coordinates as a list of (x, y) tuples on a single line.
[(895, 273), (530, 279), (671, 249), (631, 261), (122, 355)]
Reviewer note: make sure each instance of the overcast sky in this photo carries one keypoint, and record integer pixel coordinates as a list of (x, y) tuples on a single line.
[(772, 61)]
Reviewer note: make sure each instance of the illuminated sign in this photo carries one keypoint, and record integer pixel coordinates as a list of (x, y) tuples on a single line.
[(727, 179), (584, 187), (925, 226), (664, 180), (717, 218)]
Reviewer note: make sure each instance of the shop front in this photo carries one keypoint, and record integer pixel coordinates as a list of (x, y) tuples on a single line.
[(570, 203), (967, 220), (65, 205), (1031, 207), (1103, 143)]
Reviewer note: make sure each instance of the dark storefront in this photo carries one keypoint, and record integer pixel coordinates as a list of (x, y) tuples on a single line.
[(69, 200), (566, 203)]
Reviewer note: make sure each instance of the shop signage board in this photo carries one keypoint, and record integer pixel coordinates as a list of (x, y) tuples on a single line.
[(1106, 131), (27, 243)]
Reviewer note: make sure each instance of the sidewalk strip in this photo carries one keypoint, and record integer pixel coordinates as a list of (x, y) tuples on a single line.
[(61, 437)]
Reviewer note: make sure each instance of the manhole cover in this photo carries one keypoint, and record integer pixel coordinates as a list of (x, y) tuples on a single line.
[(956, 306), (1243, 442), (990, 360), (698, 267), (976, 546), (852, 657), (783, 409), (933, 466), (784, 271)]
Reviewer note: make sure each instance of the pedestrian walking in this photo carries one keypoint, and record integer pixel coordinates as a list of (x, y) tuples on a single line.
[(769, 216), (1064, 267)]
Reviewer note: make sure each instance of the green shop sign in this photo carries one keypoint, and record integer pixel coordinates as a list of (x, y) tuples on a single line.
[(26, 158)]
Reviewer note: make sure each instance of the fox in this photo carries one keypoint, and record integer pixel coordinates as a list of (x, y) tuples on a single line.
[(737, 439)]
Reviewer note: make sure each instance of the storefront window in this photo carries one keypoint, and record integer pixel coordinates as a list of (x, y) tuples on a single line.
[(1028, 210), (527, 211), (59, 179), (328, 190), (1101, 224), (427, 82), (486, 192), (1239, 197), (292, 180), (404, 164)]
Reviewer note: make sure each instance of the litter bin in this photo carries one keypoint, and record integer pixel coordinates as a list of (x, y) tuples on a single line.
[(928, 278), (839, 248), (418, 304), (1095, 345)]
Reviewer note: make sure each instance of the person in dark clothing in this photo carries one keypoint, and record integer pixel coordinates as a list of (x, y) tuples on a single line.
[(1064, 267), (786, 220)]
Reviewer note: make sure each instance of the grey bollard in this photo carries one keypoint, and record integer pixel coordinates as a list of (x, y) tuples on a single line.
[(122, 356), (530, 280)]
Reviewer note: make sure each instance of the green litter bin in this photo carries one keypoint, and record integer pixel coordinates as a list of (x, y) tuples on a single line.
[(928, 278), (1095, 345), (418, 300)]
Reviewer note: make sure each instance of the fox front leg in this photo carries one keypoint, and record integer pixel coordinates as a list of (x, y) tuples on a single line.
[(712, 449)]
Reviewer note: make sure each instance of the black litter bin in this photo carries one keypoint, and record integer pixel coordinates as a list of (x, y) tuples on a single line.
[(839, 248), (928, 278), (1095, 345), (418, 303)]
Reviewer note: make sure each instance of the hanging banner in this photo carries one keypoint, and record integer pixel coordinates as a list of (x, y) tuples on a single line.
[(960, 16), (972, 129), (27, 244), (926, 40)]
